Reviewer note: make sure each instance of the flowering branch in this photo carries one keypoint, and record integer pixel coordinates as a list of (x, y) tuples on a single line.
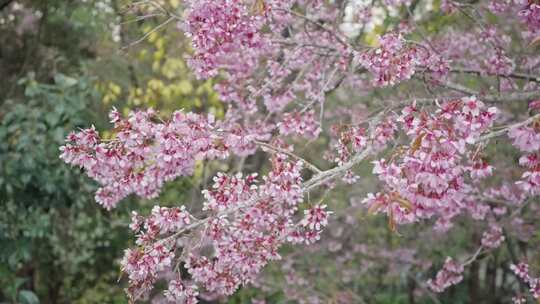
[(275, 72), (277, 149)]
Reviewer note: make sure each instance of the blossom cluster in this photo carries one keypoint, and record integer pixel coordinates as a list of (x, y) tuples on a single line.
[(493, 237), (499, 6), (530, 14), (179, 292), (224, 35), (354, 139), (527, 139), (316, 218), (392, 62), (228, 191), (146, 151), (143, 265), (521, 270), (246, 239), (162, 221), (144, 154), (426, 178), (484, 51), (450, 274), (301, 124), (249, 220), (310, 227), (232, 36)]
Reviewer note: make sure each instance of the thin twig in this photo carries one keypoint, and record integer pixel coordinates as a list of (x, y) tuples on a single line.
[(320, 25), (277, 149), (507, 128), (157, 28), (515, 75), (473, 257), (141, 18)]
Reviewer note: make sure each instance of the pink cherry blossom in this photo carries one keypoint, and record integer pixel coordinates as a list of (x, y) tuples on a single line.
[(316, 217), (144, 154), (525, 138), (493, 237), (521, 270), (450, 274), (222, 32), (392, 62), (302, 124), (178, 292), (530, 14)]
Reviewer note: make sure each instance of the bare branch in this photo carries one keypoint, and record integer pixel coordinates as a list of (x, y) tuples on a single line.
[(515, 75), (157, 28), (277, 149), (511, 97), (318, 24), (505, 129)]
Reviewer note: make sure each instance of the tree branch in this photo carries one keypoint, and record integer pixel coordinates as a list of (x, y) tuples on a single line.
[(511, 97), (516, 75), (157, 28), (277, 149), (314, 182), (505, 129)]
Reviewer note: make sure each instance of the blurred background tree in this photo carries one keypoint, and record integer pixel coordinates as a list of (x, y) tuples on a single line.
[(64, 65)]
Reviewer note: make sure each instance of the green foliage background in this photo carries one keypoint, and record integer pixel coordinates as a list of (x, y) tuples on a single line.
[(63, 69)]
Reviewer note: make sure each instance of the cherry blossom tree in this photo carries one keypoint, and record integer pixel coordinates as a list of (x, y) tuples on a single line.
[(427, 110)]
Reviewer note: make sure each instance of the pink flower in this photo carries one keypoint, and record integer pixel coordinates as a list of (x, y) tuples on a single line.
[(530, 14), (279, 102), (534, 105), (493, 238), (316, 217), (449, 275), (498, 6), (392, 62), (525, 138), (521, 270), (168, 220), (145, 154), (137, 222), (350, 178), (229, 191), (535, 287), (499, 64), (303, 124), (178, 292), (224, 36), (530, 160), (519, 300), (427, 179), (472, 106), (481, 169), (530, 182), (143, 267)]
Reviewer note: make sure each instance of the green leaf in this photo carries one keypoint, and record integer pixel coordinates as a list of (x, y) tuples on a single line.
[(28, 297), (52, 118), (64, 81)]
